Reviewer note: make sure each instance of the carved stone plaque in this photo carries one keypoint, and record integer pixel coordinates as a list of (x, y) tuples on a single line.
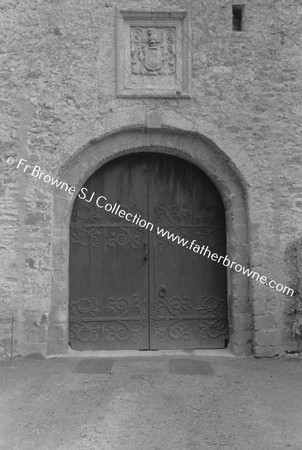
[(152, 51)]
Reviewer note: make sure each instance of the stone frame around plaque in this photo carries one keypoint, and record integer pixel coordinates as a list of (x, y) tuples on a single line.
[(153, 54)]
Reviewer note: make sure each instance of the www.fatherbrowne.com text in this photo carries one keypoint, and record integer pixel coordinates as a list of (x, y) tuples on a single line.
[(101, 202)]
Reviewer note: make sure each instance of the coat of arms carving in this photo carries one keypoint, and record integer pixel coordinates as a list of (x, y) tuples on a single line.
[(153, 51), (153, 54)]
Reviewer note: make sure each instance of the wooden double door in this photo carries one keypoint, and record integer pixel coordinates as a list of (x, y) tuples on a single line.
[(131, 288)]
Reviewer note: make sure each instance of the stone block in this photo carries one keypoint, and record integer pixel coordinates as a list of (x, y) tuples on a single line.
[(33, 349), (266, 338), (57, 338), (265, 351), (259, 308), (265, 322), (241, 305), (242, 322), (243, 338), (242, 350), (239, 289)]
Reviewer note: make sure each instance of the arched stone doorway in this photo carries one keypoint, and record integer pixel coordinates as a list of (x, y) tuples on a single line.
[(192, 147), (129, 286)]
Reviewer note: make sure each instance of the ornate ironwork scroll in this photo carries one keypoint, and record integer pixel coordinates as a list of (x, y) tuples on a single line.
[(88, 227), (127, 322), (175, 317), (184, 215), (205, 224), (123, 237)]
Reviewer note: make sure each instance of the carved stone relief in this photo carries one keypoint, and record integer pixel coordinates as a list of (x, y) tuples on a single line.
[(152, 52)]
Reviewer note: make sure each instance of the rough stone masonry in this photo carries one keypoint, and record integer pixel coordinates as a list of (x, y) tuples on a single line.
[(70, 99)]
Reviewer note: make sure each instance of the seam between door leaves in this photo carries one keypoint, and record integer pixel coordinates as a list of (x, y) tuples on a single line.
[(149, 253)]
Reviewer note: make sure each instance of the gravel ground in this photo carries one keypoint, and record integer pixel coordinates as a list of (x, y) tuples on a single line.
[(141, 405)]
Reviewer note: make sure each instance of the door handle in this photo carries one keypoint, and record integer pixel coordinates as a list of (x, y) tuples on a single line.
[(146, 250)]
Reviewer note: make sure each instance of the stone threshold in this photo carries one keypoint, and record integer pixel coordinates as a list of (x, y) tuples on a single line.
[(143, 353)]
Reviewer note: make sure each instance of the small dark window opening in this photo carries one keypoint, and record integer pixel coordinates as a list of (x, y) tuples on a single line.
[(237, 17)]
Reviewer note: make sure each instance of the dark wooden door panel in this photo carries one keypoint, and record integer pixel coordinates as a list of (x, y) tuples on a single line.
[(109, 306), (188, 291)]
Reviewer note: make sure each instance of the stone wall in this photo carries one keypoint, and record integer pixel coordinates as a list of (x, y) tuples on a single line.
[(58, 94)]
